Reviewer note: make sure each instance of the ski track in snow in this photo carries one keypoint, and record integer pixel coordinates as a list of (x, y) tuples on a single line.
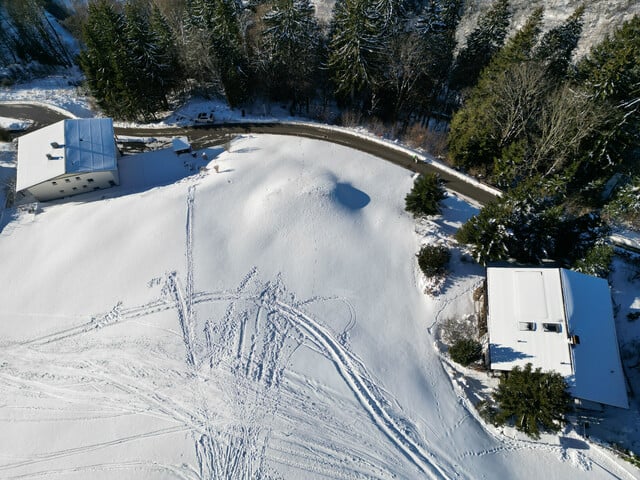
[(230, 390), (252, 344)]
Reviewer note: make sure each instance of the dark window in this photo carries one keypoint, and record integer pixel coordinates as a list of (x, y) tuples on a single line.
[(77, 178), (75, 188), (84, 186), (54, 183), (67, 180), (551, 327), (89, 180), (61, 191)]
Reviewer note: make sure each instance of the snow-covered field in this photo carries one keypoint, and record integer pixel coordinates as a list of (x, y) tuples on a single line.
[(266, 321)]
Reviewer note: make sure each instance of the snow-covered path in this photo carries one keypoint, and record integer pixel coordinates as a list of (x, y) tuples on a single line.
[(263, 322)]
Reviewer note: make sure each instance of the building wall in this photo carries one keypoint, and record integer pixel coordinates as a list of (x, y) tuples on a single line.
[(74, 184)]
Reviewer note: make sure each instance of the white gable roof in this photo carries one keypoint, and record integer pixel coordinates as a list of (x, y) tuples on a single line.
[(67, 147), (534, 312)]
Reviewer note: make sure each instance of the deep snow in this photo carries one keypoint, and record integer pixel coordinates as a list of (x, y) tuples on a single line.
[(265, 321)]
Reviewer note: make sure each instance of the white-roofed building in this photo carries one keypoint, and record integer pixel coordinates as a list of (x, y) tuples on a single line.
[(557, 320), (67, 158)]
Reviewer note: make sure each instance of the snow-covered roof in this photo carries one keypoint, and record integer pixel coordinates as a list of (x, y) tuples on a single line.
[(598, 374), (67, 147), (180, 144), (522, 302), (534, 316)]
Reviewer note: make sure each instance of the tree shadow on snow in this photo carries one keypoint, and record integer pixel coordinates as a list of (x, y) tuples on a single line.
[(455, 212), (504, 354), (350, 197)]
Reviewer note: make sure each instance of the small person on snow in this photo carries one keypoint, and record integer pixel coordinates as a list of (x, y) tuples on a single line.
[(216, 167), (204, 156)]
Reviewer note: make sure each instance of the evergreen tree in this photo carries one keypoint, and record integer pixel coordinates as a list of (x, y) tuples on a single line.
[(532, 399), (500, 110), (435, 40), (292, 38), (624, 207), (520, 47), (465, 351), (482, 44), (611, 72), (524, 224), (216, 47), (557, 45), (424, 198), (129, 61), (104, 59), (359, 46)]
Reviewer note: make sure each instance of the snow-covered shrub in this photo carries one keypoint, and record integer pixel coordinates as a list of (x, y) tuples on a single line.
[(433, 260), (465, 351), (625, 206), (597, 261), (454, 329)]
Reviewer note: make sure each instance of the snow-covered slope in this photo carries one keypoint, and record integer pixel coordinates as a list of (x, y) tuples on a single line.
[(600, 17), (260, 322)]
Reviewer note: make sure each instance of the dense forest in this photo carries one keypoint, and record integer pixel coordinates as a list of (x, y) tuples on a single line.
[(29, 42), (559, 134)]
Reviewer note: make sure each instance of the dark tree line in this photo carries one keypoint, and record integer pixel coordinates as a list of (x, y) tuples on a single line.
[(388, 58)]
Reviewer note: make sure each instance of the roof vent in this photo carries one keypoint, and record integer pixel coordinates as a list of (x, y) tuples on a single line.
[(49, 156), (56, 145)]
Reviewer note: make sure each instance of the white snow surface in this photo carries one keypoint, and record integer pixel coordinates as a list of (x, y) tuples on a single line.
[(14, 124), (265, 321)]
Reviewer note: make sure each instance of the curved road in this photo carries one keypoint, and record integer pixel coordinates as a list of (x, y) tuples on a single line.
[(202, 136)]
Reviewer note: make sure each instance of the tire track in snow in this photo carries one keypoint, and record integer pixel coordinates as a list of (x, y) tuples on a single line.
[(359, 382)]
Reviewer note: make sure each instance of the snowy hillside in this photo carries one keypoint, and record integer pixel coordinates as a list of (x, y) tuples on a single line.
[(600, 18), (262, 322)]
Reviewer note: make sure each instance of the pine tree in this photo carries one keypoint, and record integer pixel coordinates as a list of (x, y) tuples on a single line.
[(436, 41), (557, 45), (611, 72), (501, 109), (425, 196), (213, 29), (29, 36), (359, 47), (291, 38), (524, 224), (482, 44), (353, 48), (129, 60), (532, 399), (520, 47), (103, 60)]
